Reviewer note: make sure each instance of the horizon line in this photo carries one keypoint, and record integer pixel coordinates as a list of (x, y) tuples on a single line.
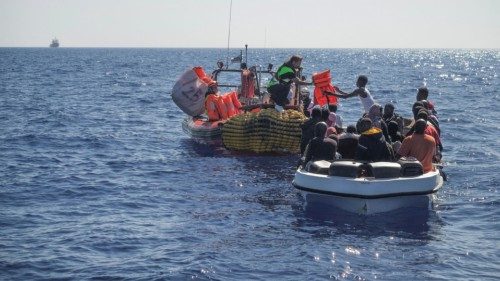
[(236, 48)]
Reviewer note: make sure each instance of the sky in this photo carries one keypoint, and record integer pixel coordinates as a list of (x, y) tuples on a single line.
[(258, 23)]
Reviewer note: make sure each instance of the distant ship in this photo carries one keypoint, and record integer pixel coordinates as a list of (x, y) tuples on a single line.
[(55, 43)]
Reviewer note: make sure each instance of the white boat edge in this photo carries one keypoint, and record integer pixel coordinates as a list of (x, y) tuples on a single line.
[(368, 188), (367, 195)]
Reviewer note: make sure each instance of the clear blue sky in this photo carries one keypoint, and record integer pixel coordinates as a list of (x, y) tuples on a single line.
[(260, 23)]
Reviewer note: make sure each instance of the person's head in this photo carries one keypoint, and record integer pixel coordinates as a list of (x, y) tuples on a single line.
[(389, 109), (331, 132), (425, 103), (212, 88), (351, 129), (364, 124), (420, 126), (362, 81), (320, 129), (375, 110), (422, 114), (295, 61), (417, 106), (325, 113), (392, 128), (332, 117), (316, 112), (422, 93), (332, 107)]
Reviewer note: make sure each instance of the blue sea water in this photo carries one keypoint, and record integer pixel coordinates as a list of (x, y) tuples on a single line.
[(98, 181)]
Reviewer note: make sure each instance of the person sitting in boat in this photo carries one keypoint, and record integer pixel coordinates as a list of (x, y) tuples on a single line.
[(375, 114), (416, 108), (362, 92), (308, 128), (395, 137), (334, 118), (332, 133), (423, 94), (389, 115), (372, 145), (320, 147), (419, 145), (348, 142), (432, 118), (429, 129), (279, 86), (325, 114)]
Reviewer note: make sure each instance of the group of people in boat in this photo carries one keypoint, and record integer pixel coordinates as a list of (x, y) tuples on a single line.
[(379, 135)]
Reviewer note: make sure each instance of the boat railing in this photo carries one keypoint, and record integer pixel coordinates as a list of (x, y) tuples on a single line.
[(258, 74)]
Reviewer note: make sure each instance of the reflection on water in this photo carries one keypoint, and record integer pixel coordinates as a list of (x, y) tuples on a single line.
[(197, 149), (417, 220)]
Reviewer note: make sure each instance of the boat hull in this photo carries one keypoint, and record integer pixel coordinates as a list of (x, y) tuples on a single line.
[(366, 206), (202, 130), (367, 195), (368, 188)]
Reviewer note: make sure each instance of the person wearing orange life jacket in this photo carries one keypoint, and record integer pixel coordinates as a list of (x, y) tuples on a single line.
[(279, 86), (211, 102)]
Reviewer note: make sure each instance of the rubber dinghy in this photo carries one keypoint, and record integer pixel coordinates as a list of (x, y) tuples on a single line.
[(366, 187), (202, 130)]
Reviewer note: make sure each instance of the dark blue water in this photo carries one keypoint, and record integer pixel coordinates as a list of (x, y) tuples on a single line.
[(98, 181)]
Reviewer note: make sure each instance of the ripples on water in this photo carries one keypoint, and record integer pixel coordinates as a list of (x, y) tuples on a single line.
[(98, 181)]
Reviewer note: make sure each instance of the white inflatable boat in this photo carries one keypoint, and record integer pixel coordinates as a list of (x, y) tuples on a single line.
[(366, 187)]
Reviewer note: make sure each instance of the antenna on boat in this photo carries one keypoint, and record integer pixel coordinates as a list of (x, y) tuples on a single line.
[(229, 33), (246, 54)]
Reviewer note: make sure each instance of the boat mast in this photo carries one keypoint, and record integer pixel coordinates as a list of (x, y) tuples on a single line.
[(229, 33)]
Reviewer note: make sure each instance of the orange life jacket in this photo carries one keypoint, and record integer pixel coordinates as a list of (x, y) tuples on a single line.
[(202, 75), (323, 82), (211, 107), (221, 108), (247, 84), (235, 100), (228, 102)]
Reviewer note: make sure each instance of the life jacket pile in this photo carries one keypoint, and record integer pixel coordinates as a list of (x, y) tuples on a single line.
[(222, 107), (323, 82), (266, 131)]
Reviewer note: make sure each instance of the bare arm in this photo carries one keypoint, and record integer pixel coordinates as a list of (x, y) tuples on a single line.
[(341, 94), (297, 81)]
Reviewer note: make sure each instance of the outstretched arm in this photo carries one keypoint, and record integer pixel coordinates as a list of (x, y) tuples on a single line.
[(297, 81), (341, 94)]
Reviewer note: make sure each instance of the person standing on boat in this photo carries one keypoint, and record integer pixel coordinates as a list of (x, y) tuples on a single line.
[(280, 85), (420, 146), (362, 92), (423, 94)]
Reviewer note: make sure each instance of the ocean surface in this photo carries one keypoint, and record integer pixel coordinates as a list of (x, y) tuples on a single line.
[(99, 182)]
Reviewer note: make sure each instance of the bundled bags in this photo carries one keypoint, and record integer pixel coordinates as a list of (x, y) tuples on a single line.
[(189, 91)]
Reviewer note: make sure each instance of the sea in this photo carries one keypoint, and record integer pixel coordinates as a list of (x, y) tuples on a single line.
[(99, 182)]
